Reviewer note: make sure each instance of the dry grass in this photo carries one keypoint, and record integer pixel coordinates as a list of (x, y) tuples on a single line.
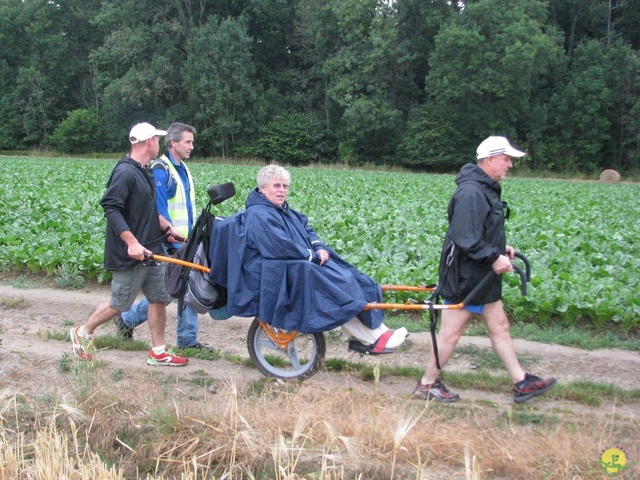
[(47, 445), (272, 430), (13, 302)]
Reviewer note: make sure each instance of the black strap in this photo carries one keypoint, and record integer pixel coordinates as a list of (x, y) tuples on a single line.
[(160, 163), (433, 320), (435, 298)]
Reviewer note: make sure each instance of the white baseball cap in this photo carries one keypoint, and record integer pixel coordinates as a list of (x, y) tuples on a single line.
[(497, 146), (143, 131)]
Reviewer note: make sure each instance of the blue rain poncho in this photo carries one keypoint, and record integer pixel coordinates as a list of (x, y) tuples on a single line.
[(265, 256)]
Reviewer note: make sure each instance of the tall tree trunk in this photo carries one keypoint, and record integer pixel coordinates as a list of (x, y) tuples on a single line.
[(609, 24), (327, 119)]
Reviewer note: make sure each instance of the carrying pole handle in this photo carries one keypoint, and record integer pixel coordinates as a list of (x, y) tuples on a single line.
[(175, 261)]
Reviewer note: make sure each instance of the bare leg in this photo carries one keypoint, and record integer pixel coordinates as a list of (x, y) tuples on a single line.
[(498, 326), (103, 313), (451, 327), (157, 323)]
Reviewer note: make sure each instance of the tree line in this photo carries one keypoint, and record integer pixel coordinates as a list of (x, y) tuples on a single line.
[(413, 83)]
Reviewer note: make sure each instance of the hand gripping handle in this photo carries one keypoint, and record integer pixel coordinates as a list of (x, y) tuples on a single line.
[(525, 276)]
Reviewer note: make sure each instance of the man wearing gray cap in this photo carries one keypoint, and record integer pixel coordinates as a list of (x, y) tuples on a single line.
[(475, 245), (134, 229)]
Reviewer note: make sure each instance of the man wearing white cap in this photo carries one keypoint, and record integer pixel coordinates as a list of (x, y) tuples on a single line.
[(475, 245), (134, 229), (176, 202)]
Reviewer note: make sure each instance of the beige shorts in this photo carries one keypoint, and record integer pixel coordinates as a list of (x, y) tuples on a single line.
[(126, 285)]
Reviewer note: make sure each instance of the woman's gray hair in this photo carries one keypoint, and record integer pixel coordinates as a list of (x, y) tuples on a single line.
[(266, 174)]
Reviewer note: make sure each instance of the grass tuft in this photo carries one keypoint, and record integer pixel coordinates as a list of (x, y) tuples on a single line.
[(13, 302), (485, 358), (202, 354), (68, 277), (557, 334), (24, 282)]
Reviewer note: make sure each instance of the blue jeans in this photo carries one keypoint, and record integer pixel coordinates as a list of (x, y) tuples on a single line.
[(187, 329)]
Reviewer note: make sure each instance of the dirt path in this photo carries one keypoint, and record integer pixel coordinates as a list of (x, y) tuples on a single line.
[(31, 361)]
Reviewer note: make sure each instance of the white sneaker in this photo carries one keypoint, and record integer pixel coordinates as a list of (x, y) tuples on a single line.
[(81, 346), (356, 329), (398, 338)]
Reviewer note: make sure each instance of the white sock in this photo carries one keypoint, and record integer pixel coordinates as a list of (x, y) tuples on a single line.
[(83, 334), (159, 350)]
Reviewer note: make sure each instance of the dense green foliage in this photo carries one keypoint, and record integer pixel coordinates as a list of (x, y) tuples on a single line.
[(80, 132), (581, 237), (413, 83)]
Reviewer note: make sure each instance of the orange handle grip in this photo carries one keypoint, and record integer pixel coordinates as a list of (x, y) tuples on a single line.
[(182, 263)]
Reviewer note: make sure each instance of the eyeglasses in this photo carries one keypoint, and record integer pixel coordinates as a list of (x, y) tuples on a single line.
[(278, 186)]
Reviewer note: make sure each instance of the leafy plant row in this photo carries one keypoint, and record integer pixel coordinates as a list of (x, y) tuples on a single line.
[(579, 236)]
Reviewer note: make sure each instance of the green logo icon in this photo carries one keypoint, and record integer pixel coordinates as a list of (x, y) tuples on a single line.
[(614, 461)]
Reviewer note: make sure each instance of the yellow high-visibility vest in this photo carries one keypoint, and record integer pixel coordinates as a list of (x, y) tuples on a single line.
[(177, 205)]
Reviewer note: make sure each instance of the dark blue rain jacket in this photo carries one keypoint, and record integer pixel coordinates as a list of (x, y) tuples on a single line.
[(265, 256)]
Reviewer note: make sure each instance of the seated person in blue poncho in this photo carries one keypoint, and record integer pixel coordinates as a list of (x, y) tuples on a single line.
[(274, 266)]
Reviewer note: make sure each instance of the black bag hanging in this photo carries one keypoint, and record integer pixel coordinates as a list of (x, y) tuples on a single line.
[(173, 280), (176, 276), (191, 286), (201, 294)]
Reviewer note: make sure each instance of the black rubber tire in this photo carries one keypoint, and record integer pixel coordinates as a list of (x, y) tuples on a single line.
[(286, 365)]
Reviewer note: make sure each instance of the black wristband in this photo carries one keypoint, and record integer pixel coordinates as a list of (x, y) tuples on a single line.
[(166, 230)]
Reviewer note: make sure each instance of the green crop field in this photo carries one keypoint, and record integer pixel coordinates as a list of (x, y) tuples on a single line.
[(580, 237)]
